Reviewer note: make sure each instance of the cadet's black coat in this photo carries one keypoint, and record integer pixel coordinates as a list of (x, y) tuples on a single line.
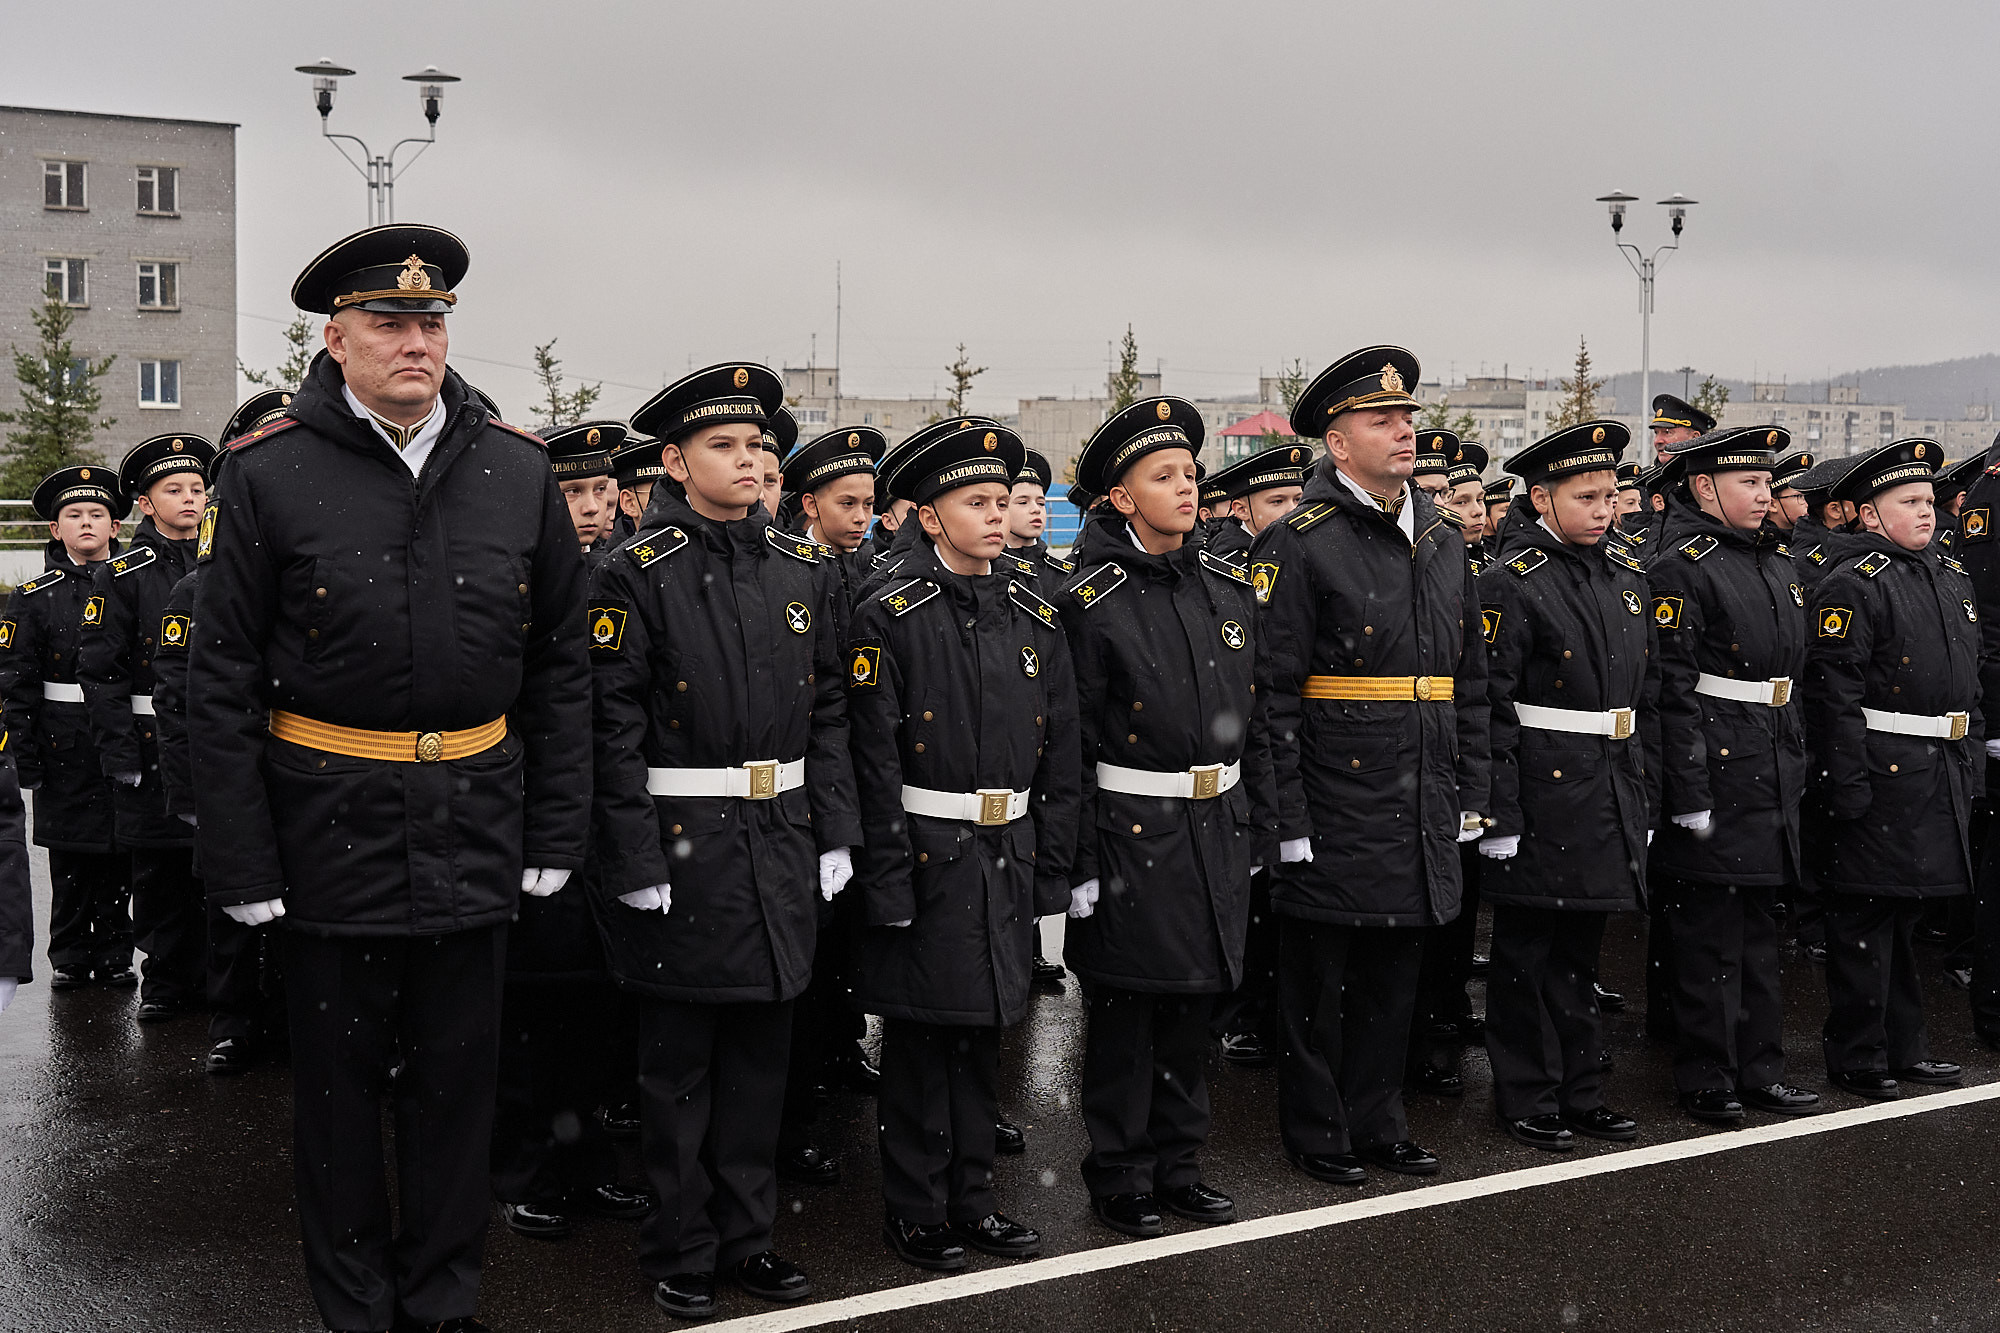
[(170, 666), (1377, 785), (50, 740), (1726, 603), (122, 626), (1815, 551), (959, 684), (1898, 631), (344, 589), (1974, 547), (1051, 570), (1165, 654), (715, 645), (1230, 538), (1569, 627)]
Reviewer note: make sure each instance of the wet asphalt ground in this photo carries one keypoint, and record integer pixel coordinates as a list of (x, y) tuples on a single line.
[(138, 1192)]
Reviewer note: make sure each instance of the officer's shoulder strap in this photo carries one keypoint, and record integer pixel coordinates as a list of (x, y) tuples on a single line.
[(1033, 605), (1057, 563), (1699, 547), (1225, 567), (527, 435), (136, 558), (1952, 564), (793, 545), (649, 548), (1528, 561), (1872, 564), (1099, 583), (259, 435), (48, 578), (1305, 517), (907, 597)]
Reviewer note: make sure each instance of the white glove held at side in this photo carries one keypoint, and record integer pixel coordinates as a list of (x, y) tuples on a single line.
[(1083, 899), (1993, 749), (127, 779), (835, 869), (1295, 849), (541, 883), (256, 914), (8, 985), (1695, 822), (1499, 849), (657, 898)]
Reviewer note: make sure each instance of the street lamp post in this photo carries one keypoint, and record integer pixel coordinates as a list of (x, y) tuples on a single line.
[(379, 170), (1646, 266)]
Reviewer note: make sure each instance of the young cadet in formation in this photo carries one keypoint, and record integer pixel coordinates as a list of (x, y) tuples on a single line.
[(1371, 677), (388, 716), (1433, 462), (725, 813), (890, 553), (1974, 547), (1498, 494), (1572, 683), (1731, 617), (1950, 487), (1892, 701), (1259, 490), (1027, 518), (1631, 493), (49, 736), (1788, 502), (167, 477), (581, 458), (1464, 498), (1178, 807), (834, 478), (637, 467), (964, 718), (781, 433)]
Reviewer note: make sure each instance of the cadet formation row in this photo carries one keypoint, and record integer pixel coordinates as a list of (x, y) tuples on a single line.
[(602, 782)]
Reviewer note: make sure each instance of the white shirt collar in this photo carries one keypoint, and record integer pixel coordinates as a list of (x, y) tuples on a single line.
[(413, 444), (1406, 520)]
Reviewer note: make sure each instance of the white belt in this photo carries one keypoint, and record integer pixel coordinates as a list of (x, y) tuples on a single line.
[(1776, 692), (756, 781), (1203, 782), (143, 703), (1950, 727), (62, 694), (1613, 722), (989, 805)]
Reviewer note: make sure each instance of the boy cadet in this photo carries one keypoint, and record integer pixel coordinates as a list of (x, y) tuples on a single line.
[(1498, 493), (834, 479), (725, 810), (388, 705), (637, 466), (90, 925), (1372, 681), (1433, 462), (1788, 503), (1572, 682), (1465, 499), (781, 432), (1892, 698), (1631, 491), (1178, 806), (964, 714), (1950, 486), (1731, 618), (1027, 518), (167, 476), (1262, 489), (580, 456)]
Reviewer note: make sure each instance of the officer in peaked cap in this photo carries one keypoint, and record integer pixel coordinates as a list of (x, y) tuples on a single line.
[(259, 409), (1434, 450), (1788, 503), (581, 458), (1675, 422), (48, 728), (331, 712), (1262, 489), (638, 468)]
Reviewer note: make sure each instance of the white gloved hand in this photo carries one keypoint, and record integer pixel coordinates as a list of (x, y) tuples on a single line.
[(1695, 822), (1649, 837), (1470, 825), (899, 925), (256, 914), (192, 822), (1499, 849), (540, 883), (1993, 749), (658, 898), (1083, 899), (1295, 849), (8, 985), (126, 779), (835, 869)]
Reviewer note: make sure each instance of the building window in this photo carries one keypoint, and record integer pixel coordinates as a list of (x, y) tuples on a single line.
[(159, 285), (65, 281), (159, 189), (159, 384), (812, 416), (62, 185)]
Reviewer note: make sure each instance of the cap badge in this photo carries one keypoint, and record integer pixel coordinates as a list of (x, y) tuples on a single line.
[(854, 439), (1163, 410), (1918, 451), (740, 378), (413, 278), (1597, 436), (1295, 456), (593, 437), (990, 443), (84, 474), (178, 446), (285, 398), (1392, 379), (1772, 441)]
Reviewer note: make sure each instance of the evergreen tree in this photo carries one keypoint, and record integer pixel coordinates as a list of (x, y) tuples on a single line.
[(560, 407), (1579, 402), (300, 349), (1124, 382), (60, 400), (1712, 397), (962, 373)]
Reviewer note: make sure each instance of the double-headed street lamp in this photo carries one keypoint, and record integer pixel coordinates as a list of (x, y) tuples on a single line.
[(378, 170), (1646, 266)]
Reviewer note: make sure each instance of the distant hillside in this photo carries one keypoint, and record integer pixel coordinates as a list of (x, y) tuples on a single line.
[(1942, 389)]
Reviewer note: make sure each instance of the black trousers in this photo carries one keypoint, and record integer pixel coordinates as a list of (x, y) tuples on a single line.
[(711, 1084), (359, 1006), (824, 1028), (1659, 958), (246, 994), (90, 913), (1808, 917), (937, 1106), (1875, 995), (1544, 1034), (1145, 1090), (558, 1044), (169, 924), (1442, 1002), (1252, 1008), (1345, 996), (1727, 1004)]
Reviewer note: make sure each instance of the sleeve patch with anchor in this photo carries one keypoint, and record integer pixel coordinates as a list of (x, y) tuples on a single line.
[(1667, 612), (607, 628), (1833, 622), (864, 669)]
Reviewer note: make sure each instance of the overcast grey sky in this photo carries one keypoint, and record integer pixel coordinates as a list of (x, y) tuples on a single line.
[(1244, 182)]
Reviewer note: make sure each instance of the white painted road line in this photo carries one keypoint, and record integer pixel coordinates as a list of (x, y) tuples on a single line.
[(1125, 1255)]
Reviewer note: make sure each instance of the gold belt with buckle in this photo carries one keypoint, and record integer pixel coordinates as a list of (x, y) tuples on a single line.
[(1394, 689), (396, 747)]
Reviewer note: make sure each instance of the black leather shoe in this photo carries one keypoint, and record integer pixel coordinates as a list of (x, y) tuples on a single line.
[(853, 1072), (1960, 977), (1198, 1203), (1870, 1083), (768, 1276), (61, 979), (809, 1166), (1130, 1214), (1547, 1132), (536, 1221), (687, 1295), (1246, 1050), (1937, 1073), (231, 1055), (1342, 1168), (1481, 965), (1610, 1001), (1008, 1140), (1046, 972), (1778, 1099), (1713, 1106), (1603, 1123), (157, 1011), (1437, 1082), (621, 1122), (619, 1204), (997, 1233), (934, 1246), (1404, 1158), (118, 978)]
